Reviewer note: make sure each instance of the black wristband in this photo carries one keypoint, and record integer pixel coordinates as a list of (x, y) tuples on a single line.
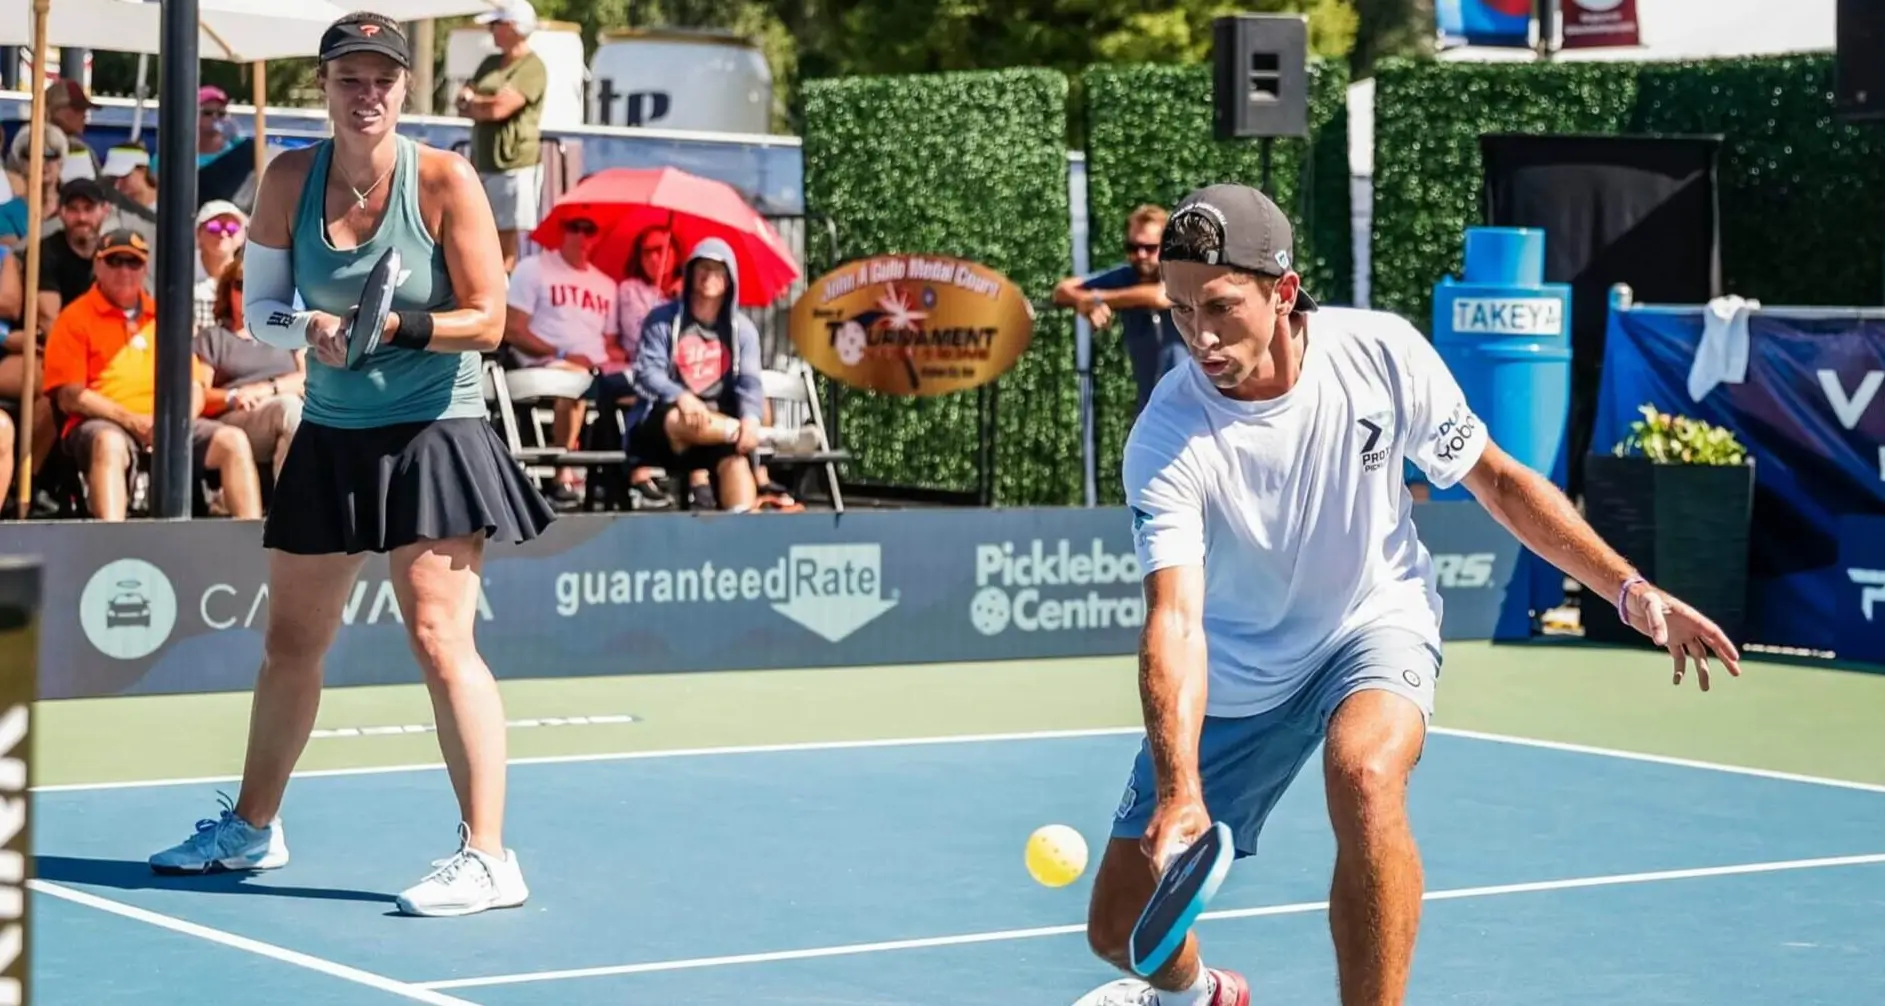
[(415, 330)]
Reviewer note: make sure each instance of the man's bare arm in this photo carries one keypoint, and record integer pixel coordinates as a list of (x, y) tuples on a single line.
[(1173, 680), (1540, 516)]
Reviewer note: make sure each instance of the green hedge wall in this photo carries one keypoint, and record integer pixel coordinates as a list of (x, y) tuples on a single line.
[(1800, 194), (1149, 141), (972, 165)]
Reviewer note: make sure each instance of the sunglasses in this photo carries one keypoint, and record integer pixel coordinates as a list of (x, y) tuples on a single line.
[(1141, 247), (580, 226), (229, 227), (123, 261)]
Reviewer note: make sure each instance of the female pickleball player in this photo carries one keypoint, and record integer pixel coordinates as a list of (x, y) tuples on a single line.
[(397, 457)]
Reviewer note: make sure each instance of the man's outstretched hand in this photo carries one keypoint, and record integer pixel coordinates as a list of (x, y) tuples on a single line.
[(1687, 634)]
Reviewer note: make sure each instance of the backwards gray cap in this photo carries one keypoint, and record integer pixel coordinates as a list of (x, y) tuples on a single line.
[(1252, 232)]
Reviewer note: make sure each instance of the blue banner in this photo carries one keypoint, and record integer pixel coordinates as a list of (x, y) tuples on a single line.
[(1811, 413), (1504, 23), (151, 607)]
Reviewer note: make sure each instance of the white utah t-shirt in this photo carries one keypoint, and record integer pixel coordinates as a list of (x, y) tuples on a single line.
[(571, 309), (1295, 507)]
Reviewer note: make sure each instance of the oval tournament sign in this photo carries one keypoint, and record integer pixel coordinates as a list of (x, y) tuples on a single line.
[(912, 324)]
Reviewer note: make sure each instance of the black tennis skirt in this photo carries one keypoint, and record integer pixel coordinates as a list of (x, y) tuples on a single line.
[(374, 490)]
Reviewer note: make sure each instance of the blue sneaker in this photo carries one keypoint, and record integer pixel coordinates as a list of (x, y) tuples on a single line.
[(225, 843)]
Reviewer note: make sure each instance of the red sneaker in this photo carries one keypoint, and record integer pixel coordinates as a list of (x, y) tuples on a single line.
[(1232, 990)]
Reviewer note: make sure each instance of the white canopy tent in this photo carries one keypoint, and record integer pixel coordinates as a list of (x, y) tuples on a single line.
[(1671, 30), (239, 31)]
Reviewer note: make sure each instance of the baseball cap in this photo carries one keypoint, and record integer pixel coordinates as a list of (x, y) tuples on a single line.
[(120, 160), (64, 93), (210, 92), (81, 188), (516, 12), (366, 32), (219, 208), (1253, 234), (124, 241)]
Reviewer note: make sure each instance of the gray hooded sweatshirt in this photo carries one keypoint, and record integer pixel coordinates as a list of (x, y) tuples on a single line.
[(715, 359)]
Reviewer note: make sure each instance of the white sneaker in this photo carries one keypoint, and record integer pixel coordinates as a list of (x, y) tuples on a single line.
[(225, 843), (788, 441), (467, 883)]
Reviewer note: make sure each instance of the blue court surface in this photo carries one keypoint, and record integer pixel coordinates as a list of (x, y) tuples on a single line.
[(892, 873)]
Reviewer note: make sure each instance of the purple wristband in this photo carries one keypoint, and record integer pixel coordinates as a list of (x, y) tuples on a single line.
[(1624, 595)]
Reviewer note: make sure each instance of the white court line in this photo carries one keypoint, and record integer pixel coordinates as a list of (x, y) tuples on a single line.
[(1038, 735), (886, 742), (1611, 880), (1658, 759), (403, 989)]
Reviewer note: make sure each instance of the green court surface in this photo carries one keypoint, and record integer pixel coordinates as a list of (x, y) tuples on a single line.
[(1780, 717)]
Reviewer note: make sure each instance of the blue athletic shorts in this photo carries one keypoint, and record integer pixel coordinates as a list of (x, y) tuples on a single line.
[(1245, 763)]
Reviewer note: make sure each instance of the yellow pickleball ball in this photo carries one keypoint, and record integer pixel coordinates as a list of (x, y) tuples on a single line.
[(1056, 855)]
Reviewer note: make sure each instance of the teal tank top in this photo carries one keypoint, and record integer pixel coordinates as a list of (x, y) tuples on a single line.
[(395, 385)]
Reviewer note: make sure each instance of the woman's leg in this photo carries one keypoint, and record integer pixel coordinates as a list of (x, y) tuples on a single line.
[(437, 584), (306, 596)]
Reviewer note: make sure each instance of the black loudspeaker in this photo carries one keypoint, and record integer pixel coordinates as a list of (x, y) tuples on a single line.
[(1261, 76), (1859, 63)]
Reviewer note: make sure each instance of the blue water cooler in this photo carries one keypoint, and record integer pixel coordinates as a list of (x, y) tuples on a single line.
[(1506, 335)]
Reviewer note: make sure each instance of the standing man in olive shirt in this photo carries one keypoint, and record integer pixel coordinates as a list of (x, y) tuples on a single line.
[(504, 101)]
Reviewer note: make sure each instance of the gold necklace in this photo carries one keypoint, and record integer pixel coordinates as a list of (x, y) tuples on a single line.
[(360, 197)]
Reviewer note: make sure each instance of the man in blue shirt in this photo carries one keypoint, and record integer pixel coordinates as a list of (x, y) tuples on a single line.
[(1134, 292)]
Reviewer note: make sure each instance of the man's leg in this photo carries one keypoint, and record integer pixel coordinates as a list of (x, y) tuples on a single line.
[(1374, 740), (104, 449)]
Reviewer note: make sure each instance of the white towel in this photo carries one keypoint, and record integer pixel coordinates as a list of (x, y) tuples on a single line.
[(1722, 355)]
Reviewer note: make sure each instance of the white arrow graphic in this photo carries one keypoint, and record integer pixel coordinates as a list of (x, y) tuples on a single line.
[(835, 590)]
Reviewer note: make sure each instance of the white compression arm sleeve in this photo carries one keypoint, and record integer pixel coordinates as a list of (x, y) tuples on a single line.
[(268, 294)]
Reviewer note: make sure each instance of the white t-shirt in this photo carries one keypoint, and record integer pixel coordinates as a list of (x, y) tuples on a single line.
[(571, 309), (1296, 507)]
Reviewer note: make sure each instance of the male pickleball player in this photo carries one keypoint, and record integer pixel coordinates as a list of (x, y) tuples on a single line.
[(1289, 600)]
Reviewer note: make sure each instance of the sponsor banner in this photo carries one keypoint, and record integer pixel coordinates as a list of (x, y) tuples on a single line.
[(912, 324), (142, 608), (1506, 23), (1596, 24), (1810, 411), (20, 581)]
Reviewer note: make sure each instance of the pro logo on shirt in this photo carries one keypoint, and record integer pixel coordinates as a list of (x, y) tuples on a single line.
[(701, 360), (1376, 438)]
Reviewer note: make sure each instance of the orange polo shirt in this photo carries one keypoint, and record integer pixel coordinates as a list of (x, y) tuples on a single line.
[(94, 344)]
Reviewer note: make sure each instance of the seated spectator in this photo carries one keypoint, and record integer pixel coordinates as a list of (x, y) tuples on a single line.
[(697, 374), (101, 363), (216, 131), (67, 257), (13, 213), (654, 278), (562, 314), (254, 387), (70, 108), (221, 230), (131, 197), (13, 351)]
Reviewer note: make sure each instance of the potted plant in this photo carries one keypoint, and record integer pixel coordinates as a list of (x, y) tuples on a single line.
[(1676, 498)]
